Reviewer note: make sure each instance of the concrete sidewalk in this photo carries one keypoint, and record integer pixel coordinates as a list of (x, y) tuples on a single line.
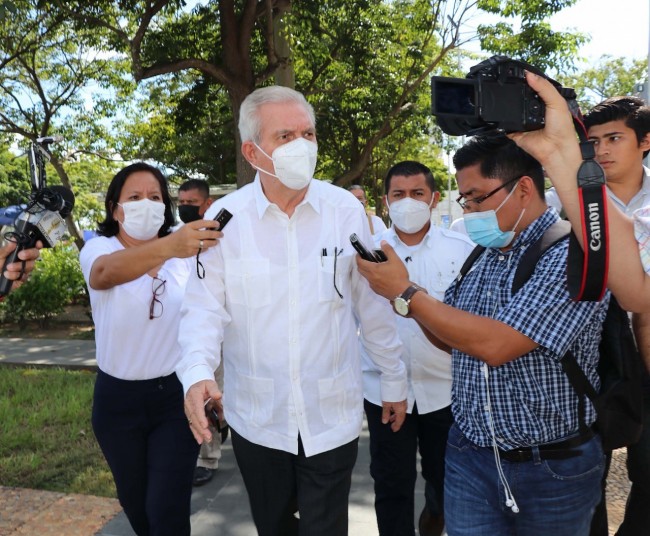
[(221, 506), (69, 353)]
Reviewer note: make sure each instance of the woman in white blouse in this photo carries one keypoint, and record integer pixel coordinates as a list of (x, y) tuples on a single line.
[(136, 271)]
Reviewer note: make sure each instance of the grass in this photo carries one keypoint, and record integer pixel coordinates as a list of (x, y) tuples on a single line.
[(46, 439), (53, 330)]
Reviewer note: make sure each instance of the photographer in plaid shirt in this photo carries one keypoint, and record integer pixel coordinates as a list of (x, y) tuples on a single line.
[(516, 462)]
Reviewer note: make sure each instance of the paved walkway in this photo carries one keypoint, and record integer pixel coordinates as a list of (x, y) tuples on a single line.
[(220, 507)]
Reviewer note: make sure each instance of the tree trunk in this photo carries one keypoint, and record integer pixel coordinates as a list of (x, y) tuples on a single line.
[(245, 173)]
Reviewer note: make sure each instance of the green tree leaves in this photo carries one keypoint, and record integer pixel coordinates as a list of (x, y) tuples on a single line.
[(608, 77), (533, 40)]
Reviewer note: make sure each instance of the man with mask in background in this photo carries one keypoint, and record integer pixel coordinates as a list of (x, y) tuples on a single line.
[(433, 257), (282, 294), (193, 200), (376, 224)]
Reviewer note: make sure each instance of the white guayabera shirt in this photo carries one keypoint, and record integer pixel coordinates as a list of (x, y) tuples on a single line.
[(282, 294)]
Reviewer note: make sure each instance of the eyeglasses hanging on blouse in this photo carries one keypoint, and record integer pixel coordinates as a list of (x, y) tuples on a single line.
[(156, 306)]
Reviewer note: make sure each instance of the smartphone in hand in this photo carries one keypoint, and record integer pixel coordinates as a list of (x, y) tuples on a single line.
[(376, 255), (212, 415), (223, 217)]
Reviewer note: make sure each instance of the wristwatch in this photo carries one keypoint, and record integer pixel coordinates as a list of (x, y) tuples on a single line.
[(402, 303)]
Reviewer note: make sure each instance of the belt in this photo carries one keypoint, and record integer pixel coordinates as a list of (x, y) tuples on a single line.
[(561, 450)]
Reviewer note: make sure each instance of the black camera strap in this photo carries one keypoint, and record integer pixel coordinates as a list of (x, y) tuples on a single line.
[(587, 266)]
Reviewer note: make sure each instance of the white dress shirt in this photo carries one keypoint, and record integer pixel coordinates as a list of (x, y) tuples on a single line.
[(130, 346), (378, 225), (432, 264), (271, 295)]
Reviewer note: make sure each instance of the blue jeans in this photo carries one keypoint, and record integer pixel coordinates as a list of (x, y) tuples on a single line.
[(555, 497)]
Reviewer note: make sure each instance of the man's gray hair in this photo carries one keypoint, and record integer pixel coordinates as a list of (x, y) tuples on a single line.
[(249, 121)]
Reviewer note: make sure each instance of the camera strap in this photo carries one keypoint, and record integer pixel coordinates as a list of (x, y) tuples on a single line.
[(587, 266)]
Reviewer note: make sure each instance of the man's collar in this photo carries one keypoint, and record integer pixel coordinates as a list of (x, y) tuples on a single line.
[(535, 229), (312, 197), (645, 183), (426, 240)]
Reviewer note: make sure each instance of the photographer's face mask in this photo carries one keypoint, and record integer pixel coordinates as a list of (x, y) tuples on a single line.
[(294, 163), (143, 219), (483, 227)]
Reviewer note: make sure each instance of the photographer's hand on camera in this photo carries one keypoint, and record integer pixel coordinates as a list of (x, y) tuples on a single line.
[(19, 271), (556, 145), (556, 148)]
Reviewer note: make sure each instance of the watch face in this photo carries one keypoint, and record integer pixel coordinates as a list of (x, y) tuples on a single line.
[(401, 306)]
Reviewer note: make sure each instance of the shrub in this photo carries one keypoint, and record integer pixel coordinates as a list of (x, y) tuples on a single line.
[(56, 282)]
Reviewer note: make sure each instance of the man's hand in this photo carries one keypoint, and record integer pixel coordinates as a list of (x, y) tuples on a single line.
[(13, 271), (393, 413), (195, 408), (557, 140), (388, 279)]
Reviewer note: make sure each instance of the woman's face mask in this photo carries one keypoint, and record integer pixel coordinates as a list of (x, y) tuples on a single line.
[(294, 163), (143, 219), (483, 227)]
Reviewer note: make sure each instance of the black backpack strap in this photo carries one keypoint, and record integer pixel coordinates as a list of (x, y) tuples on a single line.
[(581, 385), (469, 262), (471, 259), (556, 232)]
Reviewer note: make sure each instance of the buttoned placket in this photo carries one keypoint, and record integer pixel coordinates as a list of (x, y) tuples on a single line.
[(294, 321)]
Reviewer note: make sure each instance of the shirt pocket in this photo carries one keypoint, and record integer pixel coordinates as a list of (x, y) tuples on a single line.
[(333, 275), (337, 397), (248, 282), (255, 398), (442, 278)]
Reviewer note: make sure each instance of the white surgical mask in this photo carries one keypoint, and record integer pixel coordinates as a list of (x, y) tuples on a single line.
[(409, 215), (143, 219), (294, 163)]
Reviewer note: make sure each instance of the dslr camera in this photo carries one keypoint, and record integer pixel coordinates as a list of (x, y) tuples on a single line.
[(493, 96)]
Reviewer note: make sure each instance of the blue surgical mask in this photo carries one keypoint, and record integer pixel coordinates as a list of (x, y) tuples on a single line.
[(483, 227)]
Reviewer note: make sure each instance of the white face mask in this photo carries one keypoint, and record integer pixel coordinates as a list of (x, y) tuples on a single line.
[(409, 215), (143, 219), (294, 163)]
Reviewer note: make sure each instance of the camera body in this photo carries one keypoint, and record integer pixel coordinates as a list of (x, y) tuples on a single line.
[(44, 217), (494, 95)]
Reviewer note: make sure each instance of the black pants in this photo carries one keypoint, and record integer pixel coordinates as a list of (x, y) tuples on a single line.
[(393, 466), (279, 484), (637, 509), (143, 433)]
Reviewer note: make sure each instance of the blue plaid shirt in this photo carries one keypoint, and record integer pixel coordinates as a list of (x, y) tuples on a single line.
[(531, 397)]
